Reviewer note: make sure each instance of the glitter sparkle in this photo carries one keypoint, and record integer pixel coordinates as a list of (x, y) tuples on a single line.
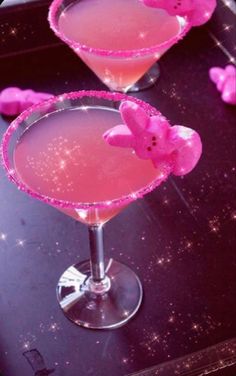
[(20, 242), (54, 327), (3, 236), (13, 31), (142, 35)]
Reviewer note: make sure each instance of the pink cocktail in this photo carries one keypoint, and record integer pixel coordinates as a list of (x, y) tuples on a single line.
[(119, 40), (55, 152), (73, 163)]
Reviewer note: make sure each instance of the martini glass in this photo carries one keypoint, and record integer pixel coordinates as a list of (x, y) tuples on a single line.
[(119, 40), (55, 152)]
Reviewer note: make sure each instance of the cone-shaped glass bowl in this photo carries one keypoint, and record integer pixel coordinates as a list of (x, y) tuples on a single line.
[(122, 63)]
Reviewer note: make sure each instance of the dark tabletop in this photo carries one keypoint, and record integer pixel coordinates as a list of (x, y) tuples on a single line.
[(180, 239)]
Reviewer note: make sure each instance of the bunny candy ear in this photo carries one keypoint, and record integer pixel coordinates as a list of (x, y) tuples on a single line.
[(134, 117), (30, 97), (216, 74), (35, 97), (119, 136), (230, 70), (158, 124), (188, 149)]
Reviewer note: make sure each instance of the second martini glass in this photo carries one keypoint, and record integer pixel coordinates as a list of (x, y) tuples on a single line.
[(55, 152), (119, 40)]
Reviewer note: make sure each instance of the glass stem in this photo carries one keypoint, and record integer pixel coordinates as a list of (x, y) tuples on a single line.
[(97, 263)]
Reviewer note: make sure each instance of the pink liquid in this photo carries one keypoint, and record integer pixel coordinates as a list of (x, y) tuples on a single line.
[(65, 157), (117, 25)]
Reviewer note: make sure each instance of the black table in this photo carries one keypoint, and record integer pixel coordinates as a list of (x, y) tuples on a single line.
[(180, 239)]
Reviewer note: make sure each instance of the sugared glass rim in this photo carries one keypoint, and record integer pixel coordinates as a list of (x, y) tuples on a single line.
[(76, 46), (123, 200)]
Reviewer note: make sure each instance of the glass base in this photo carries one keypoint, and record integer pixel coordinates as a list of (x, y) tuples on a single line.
[(104, 305), (148, 80)]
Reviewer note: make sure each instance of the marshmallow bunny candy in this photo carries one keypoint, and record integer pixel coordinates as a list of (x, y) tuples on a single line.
[(176, 149)]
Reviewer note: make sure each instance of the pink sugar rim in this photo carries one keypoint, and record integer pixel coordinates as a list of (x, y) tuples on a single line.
[(52, 18), (123, 200)]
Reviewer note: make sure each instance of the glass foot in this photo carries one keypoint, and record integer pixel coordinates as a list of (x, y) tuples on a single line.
[(99, 306), (148, 80)]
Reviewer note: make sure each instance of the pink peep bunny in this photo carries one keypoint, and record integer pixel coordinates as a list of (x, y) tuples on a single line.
[(173, 149), (197, 11), (14, 100), (225, 80)]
